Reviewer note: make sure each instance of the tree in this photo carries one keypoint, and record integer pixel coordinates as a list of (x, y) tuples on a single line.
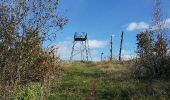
[(145, 51), (153, 47), (24, 26)]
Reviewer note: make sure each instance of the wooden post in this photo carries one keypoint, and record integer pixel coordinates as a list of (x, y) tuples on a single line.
[(102, 56), (120, 52), (111, 49)]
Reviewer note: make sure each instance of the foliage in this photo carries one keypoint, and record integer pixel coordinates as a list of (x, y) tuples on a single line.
[(24, 26), (153, 51), (153, 56), (91, 81)]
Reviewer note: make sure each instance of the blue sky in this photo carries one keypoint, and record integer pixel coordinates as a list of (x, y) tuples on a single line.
[(103, 18)]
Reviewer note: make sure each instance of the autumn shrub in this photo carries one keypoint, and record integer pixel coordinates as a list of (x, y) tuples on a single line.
[(25, 61), (153, 56), (24, 26)]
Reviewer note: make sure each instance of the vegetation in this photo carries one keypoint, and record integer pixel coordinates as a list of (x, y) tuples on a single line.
[(153, 51), (153, 55), (29, 72), (24, 26), (103, 81)]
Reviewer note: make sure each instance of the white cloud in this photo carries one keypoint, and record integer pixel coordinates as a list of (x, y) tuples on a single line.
[(97, 44), (143, 25), (136, 26), (167, 23), (126, 55), (162, 25), (65, 48)]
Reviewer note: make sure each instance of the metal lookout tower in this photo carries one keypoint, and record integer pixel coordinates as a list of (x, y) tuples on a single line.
[(80, 47)]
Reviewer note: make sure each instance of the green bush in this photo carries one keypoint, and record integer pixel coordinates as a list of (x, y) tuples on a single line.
[(153, 58)]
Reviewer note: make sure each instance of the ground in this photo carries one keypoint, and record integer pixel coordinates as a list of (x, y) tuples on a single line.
[(100, 81)]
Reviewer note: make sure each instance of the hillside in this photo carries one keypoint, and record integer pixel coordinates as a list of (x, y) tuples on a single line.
[(99, 81)]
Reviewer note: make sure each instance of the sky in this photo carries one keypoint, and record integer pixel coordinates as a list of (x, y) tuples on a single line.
[(101, 19)]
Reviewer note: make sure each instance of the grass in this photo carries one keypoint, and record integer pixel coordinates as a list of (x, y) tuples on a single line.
[(107, 81), (98, 81)]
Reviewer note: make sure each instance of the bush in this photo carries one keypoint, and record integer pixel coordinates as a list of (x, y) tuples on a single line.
[(26, 61), (24, 27), (153, 58)]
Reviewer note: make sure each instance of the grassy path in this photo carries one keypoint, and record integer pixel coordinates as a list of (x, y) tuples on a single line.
[(80, 81), (85, 81), (89, 81)]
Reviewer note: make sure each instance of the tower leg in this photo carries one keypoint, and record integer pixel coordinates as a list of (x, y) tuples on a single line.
[(72, 50), (88, 51), (86, 48)]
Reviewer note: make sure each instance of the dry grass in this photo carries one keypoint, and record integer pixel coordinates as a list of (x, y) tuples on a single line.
[(95, 81), (116, 69)]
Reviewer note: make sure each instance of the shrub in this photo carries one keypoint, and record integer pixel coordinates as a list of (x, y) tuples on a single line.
[(24, 27), (153, 58)]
